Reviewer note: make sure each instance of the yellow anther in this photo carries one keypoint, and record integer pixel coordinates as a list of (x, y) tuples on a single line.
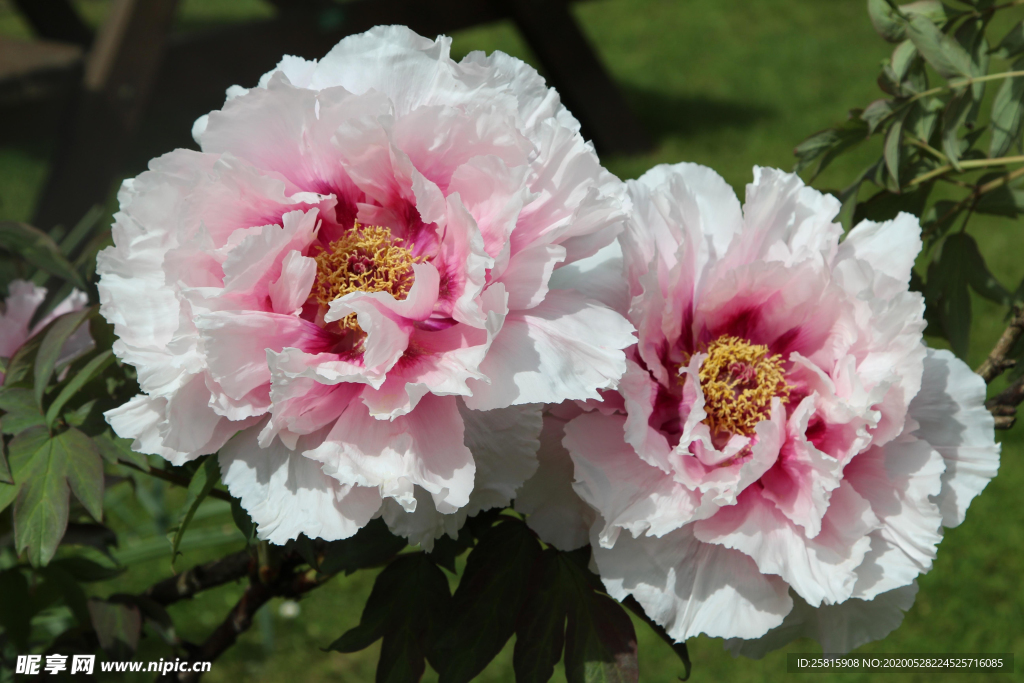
[(739, 380), (366, 259)]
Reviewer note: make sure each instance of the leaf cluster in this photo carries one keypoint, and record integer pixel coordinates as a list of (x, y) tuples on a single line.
[(948, 147)]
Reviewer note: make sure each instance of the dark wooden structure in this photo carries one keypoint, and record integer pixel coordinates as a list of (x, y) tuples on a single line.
[(135, 52)]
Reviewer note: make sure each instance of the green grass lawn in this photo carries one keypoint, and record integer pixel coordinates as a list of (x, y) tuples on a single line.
[(726, 83)]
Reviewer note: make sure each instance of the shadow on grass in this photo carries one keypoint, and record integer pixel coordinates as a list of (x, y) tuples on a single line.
[(667, 115)]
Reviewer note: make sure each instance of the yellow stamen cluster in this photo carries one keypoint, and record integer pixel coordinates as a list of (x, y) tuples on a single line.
[(739, 380), (367, 259)]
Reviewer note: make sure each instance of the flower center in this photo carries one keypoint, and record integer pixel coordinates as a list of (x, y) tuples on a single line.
[(739, 380), (367, 259)]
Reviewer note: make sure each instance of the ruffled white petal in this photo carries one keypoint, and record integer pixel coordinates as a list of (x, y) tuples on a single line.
[(839, 628), (550, 353), (691, 587), (950, 410), (287, 494)]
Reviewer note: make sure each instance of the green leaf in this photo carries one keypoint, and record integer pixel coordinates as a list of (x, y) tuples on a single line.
[(903, 56), (923, 116), (84, 470), (540, 629), (446, 548), (961, 109), (1012, 43), (23, 360), (372, 546), (22, 463), (884, 205), (6, 477), (826, 145), (407, 599), (1007, 110), (486, 604), (67, 462), (943, 52), (86, 224), (948, 277), (41, 508), (20, 410), (94, 367), (1003, 201), (114, 449), (244, 522), (876, 113), (53, 342), (600, 643), (893, 142), (979, 277), (118, 627), (887, 23), (203, 481), (36, 247)]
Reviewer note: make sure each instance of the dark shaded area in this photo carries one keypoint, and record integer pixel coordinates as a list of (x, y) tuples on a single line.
[(673, 115)]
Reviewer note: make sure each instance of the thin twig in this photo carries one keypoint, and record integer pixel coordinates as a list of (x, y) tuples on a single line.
[(287, 582), (997, 360), (968, 164), (172, 478), (200, 578)]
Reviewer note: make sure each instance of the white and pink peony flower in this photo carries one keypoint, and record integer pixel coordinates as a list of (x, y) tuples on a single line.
[(353, 269), (786, 450), (23, 299)]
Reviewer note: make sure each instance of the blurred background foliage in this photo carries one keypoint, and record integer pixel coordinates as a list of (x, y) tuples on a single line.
[(728, 84)]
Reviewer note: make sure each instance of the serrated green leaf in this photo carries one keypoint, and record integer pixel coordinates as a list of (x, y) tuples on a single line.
[(885, 21), (203, 481), (1012, 43), (41, 508), (51, 346), (39, 249), (373, 545), (540, 629), (20, 410), (407, 599), (84, 470), (22, 464), (94, 367), (486, 604), (50, 469), (943, 52), (1007, 114)]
